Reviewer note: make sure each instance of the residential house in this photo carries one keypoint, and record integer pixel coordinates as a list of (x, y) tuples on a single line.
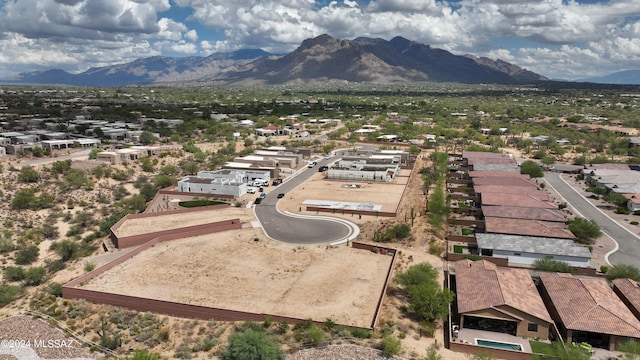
[(588, 310), (525, 250), (629, 292), (633, 202), (505, 300)]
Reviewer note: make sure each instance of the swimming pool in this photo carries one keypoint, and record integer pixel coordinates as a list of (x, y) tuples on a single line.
[(499, 345)]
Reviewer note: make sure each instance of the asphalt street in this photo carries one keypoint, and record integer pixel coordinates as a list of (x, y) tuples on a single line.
[(629, 251), (296, 230)]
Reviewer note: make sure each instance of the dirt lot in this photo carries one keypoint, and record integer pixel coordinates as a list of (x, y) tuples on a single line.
[(233, 271), (388, 195), (166, 222)]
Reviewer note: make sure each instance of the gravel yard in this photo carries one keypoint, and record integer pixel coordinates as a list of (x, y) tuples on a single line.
[(26, 338)]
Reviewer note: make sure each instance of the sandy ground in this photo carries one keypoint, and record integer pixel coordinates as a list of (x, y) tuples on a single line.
[(166, 222), (388, 195), (232, 271)]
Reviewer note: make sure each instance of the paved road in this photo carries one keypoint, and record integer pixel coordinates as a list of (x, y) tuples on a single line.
[(78, 155), (629, 251), (296, 230)]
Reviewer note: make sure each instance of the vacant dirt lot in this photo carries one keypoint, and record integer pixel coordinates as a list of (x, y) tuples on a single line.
[(230, 270), (172, 221), (388, 195)]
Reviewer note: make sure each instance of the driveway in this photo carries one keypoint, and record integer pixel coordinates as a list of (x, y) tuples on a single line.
[(298, 229), (628, 251)]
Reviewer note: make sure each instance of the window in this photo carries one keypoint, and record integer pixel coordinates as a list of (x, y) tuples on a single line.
[(532, 327), (517, 254)]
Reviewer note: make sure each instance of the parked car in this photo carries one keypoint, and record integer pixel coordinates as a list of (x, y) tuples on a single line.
[(251, 190), (277, 182), (262, 196), (323, 168), (312, 164), (257, 201), (280, 196)]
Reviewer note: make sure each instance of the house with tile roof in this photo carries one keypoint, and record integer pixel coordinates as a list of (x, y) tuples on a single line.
[(520, 212), (588, 310), (550, 229), (500, 299), (629, 292)]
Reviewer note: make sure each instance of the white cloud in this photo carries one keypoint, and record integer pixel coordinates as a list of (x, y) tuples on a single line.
[(562, 37)]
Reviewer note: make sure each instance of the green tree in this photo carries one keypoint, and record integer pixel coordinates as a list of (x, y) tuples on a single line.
[(422, 273), (549, 264), (532, 169), (28, 175), (429, 301), (163, 181), (252, 345), (147, 138), (623, 271), (585, 231), (66, 249)]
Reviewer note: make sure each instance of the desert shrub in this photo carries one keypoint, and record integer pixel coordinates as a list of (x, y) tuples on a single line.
[(551, 265), (252, 345), (35, 275), (391, 345), (8, 293), (13, 273), (621, 271), (54, 289), (361, 333), (633, 222), (6, 244), (586, 231)]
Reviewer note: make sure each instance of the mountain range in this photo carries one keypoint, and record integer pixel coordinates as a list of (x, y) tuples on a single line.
[(322, 58), (629, 77)]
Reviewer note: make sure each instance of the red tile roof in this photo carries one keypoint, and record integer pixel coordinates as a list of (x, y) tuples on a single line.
[(494, 198), (482, 285), (518, 212), (630, 289), (504, 181), (527, 227), (522, 190), (589, 304)]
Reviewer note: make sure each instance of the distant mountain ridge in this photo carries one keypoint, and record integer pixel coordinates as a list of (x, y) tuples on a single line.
[(629, 77), (322, 58)]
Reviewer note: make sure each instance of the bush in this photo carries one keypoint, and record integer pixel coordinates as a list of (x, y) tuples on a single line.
[(34, 276), (13, 273), (27, 255), (391, 345), (634, 222), (252, 345), (586, 231), (54, 289), (622, 271), (361, 333), (551, 265), (531, 168), (8, 293)]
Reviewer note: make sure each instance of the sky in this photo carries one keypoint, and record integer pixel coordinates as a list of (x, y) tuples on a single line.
[(560, 39)]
